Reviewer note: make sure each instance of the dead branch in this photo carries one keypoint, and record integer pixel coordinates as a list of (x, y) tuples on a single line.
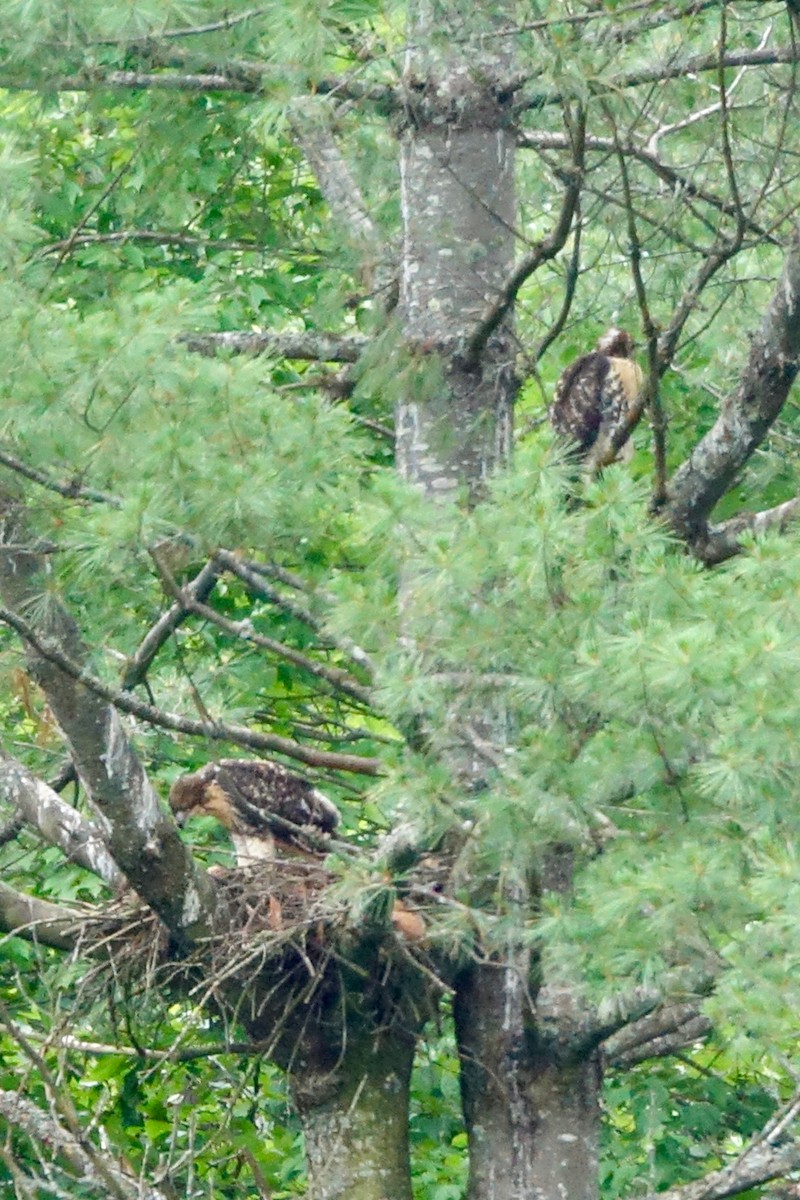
[(251, 573), (724, 540), (199, 589), (666, 1031), (238, 735), (256, 80), (72, 490), (153, 237), (337, 679), (675, 68), (84, 1163), (677, 180)]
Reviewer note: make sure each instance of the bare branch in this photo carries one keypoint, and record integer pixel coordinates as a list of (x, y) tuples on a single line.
[(343, 195), (671, 1028), (338, 679), (250, 575), (57, 821), (677, 180), (72, 490), (49, 650), (651, 397), (184, 240), (696, 64), (723, 541), (188, 31), (746, 416), (675, 68), (198, 588), (313, 347), (190, 1054), (92, 209), (570, 284), (253, 80)]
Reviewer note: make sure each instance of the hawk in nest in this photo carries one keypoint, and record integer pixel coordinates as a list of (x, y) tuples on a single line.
[(596, 396), (265, 808)]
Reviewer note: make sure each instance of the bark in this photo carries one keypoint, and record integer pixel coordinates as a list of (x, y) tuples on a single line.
[(311, 126), (745, 419), (670, 1028), (533, 1113), (457, 196), (355, 1121), (143, 840), (80, 840)]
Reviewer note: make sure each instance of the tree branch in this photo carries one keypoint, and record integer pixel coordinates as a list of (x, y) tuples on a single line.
[(544, 140), (343, 195), (337, 679), (57, 821), (38, 920), (184, 240), (670, 1028), (312, 347), (198, 588), (547, 249), (45, 1130), (676, 68), (770, 1155), (244, 79), (651, 396), (251, 574), (143, 840), (49, 650), (745, 417), (723, 541), (189, 31), (72, 490)]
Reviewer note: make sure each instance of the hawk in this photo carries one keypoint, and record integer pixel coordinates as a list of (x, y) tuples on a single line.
[(596, 395), (265, 807)]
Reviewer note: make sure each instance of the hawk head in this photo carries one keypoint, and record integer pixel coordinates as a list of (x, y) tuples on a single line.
[(615, 343)]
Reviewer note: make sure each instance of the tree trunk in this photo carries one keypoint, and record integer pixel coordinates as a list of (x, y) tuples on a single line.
[(533, 1113), (457, 178), (355, 1121), (532, 1121)]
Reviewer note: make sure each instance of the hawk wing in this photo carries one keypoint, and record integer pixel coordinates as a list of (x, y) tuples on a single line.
[(593, 398), (577, 409)]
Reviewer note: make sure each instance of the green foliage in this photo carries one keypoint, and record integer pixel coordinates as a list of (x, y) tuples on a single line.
[(668, 1120), (642, 696)]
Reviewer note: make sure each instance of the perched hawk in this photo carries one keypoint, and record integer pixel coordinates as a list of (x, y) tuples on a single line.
[(259, 803), (595, 395)]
